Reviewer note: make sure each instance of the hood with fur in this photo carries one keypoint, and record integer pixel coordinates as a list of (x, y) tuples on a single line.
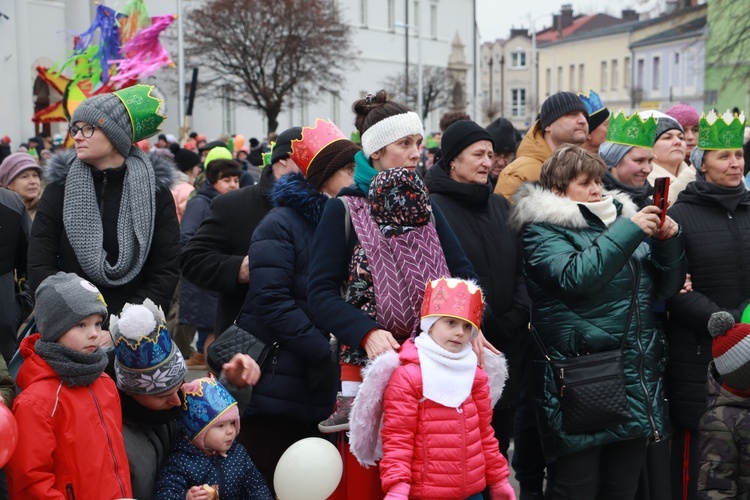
[(295, 192), (532, 204), (56, 169)]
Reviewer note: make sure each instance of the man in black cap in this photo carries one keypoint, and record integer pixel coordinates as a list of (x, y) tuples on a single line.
[(504, 135), (561, 120), (215, 258)]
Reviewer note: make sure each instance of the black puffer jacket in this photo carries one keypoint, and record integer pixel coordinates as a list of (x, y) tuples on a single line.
[(213, 256), (716, 224), (276, 307), (478, 217), (50, 251)]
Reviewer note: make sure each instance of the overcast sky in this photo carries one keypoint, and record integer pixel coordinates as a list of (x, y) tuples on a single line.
[(497, 17)]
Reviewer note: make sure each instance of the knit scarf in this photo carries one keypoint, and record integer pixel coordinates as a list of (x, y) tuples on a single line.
[(73, 367), (363, 172), (604, 209), (135, 226), (447, 377)]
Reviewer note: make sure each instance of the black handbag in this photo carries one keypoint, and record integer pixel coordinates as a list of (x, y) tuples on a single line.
[(235, 339), (590, 388)]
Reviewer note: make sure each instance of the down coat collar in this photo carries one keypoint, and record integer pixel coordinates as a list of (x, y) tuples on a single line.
[(533, 204), (295, 192)]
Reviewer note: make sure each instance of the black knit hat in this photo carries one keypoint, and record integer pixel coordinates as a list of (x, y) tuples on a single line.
[(597, 118), (186, 159), (558, 105), (283, 146), (504, 135), (329, 160), (458, 136), (666, 123)]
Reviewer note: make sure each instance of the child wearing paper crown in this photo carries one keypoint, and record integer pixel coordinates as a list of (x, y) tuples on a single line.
[(210, 460), (725, 427), (68, 415), (439, 400)]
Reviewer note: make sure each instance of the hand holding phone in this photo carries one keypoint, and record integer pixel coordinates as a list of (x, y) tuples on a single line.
[(661, 195)]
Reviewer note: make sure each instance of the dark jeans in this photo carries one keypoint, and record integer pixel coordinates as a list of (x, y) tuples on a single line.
[(685, 464), (608, 472), (267, 438), (3, 486)]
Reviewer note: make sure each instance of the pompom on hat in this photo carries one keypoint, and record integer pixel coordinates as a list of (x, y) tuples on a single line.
[(206, 403), (731, 349), (147, 362)]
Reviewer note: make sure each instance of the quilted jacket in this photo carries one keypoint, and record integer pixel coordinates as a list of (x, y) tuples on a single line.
[(583, 278), (70, 442), (442, 453)]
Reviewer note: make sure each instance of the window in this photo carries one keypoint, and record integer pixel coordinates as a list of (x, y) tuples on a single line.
[(571, 78), (603, 80), (656, 73), (433, 21), (548, 80), (417, 17), (615, 76), (690, 68), (363, 12), (675, 73), (518, 102), (559, 78), (626, 73), (639, 74), (518, 59), (580, 78), (391, 15)]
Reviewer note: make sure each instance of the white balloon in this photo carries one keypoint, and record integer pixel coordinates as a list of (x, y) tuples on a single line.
[(310, 469)]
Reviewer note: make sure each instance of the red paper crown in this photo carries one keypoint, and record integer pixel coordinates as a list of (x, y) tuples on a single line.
[(313, 140), (455, 298)]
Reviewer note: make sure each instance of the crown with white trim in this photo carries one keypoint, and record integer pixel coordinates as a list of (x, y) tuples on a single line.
[(454, 297), (721, 132), (731, 349)]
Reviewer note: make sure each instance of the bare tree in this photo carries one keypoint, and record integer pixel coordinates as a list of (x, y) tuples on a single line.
[(266, 52), (727, 44), (437, 88)]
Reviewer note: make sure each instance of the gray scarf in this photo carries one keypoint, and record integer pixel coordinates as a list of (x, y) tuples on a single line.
[(73, 367), (135, 226)]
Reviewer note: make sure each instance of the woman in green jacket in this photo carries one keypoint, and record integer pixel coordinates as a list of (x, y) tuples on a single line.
[(587, 267)]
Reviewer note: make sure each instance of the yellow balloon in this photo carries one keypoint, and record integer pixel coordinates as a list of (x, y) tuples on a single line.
[(310, 469)]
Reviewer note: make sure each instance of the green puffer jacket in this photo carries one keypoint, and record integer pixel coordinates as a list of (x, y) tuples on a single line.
[(582, 276)]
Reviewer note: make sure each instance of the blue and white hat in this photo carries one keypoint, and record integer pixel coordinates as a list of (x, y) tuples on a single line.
[(205, 403)]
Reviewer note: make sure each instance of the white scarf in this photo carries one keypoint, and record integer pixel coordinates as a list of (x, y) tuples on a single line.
[(604, 209), (447, 377)]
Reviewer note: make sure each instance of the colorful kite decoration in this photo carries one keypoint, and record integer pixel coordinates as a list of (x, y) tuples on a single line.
[(115, 52)]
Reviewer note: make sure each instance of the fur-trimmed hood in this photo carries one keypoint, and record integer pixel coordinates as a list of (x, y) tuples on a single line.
[(295, 192), (533, 204), (57, 167)]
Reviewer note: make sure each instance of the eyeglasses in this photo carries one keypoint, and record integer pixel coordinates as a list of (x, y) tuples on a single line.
[(87, 130)]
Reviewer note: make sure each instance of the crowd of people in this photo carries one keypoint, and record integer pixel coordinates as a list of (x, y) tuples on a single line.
[(125, 261)]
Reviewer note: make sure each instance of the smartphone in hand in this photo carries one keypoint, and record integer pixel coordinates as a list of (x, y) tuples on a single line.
[(661, 194)]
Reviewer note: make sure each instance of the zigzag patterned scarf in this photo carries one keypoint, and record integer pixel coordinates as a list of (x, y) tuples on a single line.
[(400, 264)]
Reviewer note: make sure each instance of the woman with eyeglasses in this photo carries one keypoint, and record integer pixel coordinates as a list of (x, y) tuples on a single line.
[(107, 213)]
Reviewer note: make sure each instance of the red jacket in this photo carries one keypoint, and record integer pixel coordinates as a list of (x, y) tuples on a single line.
[(443, 453), (70, 441)]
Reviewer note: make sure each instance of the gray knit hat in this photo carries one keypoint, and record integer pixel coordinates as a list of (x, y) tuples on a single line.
[(558, 105), (147, 362), (107, 112), (63, 300)]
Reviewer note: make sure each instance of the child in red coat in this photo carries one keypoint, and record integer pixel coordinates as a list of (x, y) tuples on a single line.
[(438, 441), (69, 417)]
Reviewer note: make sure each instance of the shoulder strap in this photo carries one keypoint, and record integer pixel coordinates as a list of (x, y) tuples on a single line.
[(347, 218)]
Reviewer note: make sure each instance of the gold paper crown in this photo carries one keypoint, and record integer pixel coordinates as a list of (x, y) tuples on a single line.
[(717, 132), (313, 140), (455, 298), (632, 130)]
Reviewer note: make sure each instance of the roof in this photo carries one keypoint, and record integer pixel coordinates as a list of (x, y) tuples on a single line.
[(580, 24), (688, 30)]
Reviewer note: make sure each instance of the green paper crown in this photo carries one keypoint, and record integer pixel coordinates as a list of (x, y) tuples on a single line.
[(143, 109), (721, 131), (632, 130), (431, 143), (355, 137), (267, 156)]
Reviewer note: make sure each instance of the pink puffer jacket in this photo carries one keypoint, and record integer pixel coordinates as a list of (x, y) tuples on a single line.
[(443, 453)]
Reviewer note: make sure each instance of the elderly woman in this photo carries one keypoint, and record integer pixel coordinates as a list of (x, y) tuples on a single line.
[(592, 279), (714, 212), (670, 149), (19, 172), (107, 213), (459, 185), (297, 389)]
